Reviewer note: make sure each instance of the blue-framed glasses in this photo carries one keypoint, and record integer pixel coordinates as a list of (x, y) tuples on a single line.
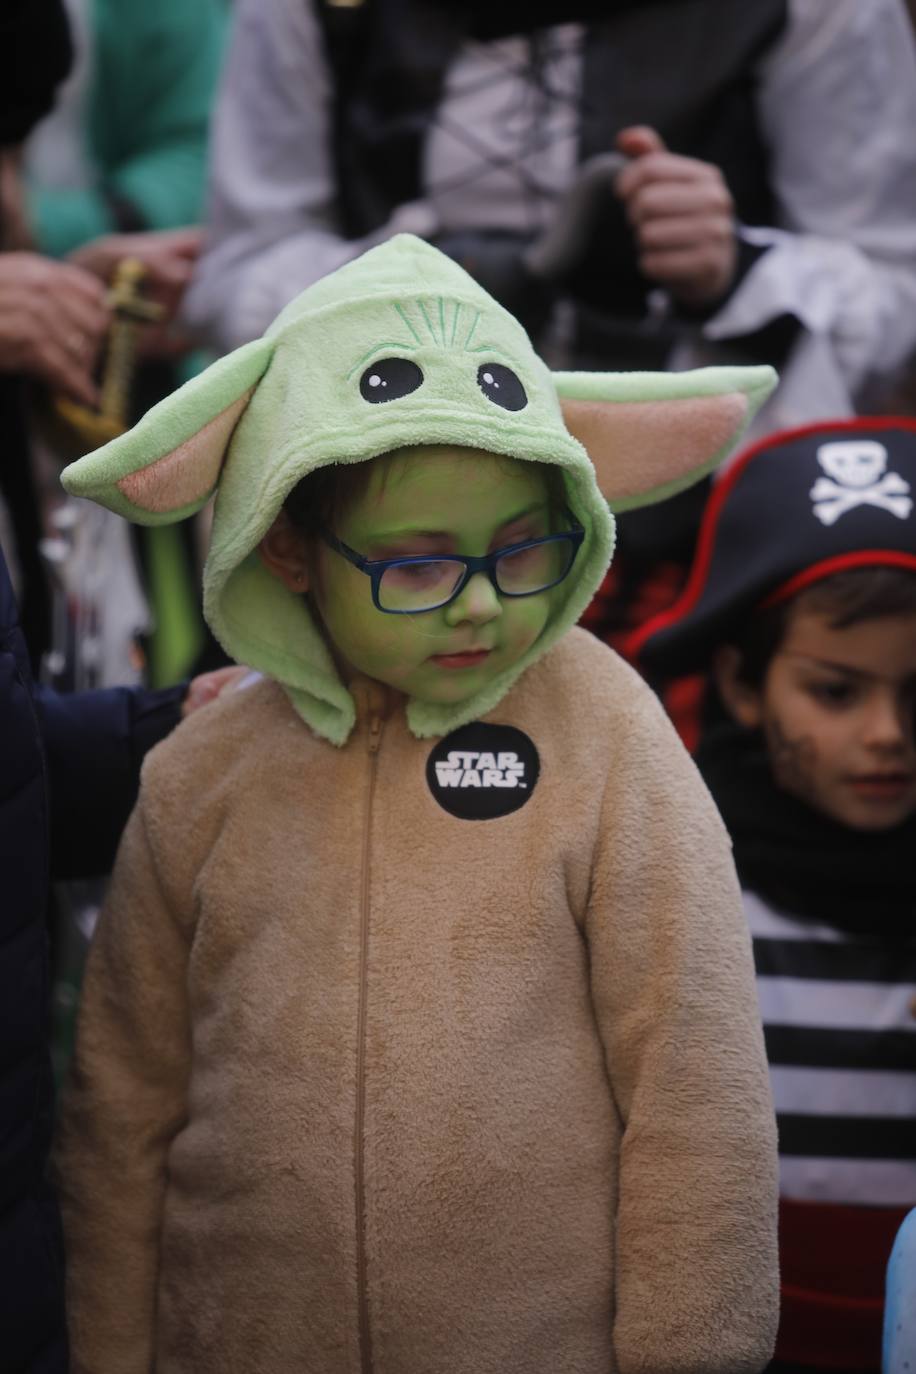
[(408, 586)]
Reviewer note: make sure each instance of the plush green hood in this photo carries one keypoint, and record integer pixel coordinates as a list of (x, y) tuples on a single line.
[(256, 422)]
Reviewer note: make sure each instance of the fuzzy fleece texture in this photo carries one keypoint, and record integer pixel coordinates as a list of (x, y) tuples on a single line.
[(263, 417), (363, 1086)]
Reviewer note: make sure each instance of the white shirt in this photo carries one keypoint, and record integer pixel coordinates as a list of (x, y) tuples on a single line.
[(837, 107)]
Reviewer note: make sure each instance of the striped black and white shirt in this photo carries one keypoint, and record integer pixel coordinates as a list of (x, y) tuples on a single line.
[(839, 1017)]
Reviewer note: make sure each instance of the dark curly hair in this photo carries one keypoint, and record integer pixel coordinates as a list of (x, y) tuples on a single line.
[(846, 598)]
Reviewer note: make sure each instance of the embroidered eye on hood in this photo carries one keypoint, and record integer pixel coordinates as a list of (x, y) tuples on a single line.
[(389, 379), (400, 347)]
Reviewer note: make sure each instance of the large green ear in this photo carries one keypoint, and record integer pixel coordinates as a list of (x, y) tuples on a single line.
[(168, 465), (651, 434)]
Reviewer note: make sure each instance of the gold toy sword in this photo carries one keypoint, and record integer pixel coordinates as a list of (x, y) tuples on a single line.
[(131, 312)]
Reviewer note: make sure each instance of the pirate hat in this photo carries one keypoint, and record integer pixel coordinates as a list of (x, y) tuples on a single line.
[(797, 507)]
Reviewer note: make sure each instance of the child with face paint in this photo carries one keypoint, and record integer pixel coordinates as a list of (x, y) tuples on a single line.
[(802, 605), (419, 1031)]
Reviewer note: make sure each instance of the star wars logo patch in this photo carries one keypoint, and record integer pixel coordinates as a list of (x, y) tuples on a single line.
[(483, 771)]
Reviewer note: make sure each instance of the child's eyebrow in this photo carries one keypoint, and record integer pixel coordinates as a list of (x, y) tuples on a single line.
[(827, 663), (533, 509), (814, 662), (406, 531), (846, 669)]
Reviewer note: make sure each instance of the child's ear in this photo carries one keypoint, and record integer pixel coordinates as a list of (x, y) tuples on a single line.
[(284, 553), (169, 464), (743, 702), (651, 434)]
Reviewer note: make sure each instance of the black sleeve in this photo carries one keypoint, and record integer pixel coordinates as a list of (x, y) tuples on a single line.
[(95, 743), (35, 56), (747, 255)]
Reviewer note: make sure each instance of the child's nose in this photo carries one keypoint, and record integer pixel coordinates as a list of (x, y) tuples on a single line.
[(887, 725), (478, 602)]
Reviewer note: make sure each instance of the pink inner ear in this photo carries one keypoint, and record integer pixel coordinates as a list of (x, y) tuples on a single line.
[(190, 472), (638, 446)]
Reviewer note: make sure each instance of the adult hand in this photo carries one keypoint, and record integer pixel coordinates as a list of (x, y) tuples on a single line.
[(683, 217), (52, 320), (168, 255), (206, 687)]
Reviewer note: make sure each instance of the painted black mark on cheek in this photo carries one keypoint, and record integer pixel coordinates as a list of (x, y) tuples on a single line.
[(792, 761)]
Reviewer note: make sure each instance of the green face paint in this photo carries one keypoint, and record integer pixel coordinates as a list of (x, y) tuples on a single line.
[(428, 501)]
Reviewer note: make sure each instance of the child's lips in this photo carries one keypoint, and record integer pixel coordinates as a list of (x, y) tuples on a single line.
[(465, 658), (881, 786)]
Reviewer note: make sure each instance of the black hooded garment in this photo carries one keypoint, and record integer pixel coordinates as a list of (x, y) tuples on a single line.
[(89, 747), (35, 56)]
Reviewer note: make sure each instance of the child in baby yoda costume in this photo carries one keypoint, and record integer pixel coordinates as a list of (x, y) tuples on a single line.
[(419, 1034)]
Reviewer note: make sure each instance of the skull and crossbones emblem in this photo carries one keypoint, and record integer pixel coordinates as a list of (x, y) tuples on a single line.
[(856, 476)]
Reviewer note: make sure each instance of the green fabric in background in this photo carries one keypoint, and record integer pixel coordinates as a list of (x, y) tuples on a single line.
[(178, 635), (154, 69)]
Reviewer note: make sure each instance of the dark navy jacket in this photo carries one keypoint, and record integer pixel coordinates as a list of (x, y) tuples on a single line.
[(68, 773), (69, 769)]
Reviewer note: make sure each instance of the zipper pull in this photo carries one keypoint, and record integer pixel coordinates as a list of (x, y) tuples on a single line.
[(375, 734)]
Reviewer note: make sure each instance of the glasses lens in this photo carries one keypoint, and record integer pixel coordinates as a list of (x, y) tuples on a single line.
[(533, 569), (418, 586)]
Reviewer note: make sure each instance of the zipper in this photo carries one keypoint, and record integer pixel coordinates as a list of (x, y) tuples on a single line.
[(365, 1333)]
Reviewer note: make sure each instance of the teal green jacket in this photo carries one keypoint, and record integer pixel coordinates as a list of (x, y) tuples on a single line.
[(153, 75)]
